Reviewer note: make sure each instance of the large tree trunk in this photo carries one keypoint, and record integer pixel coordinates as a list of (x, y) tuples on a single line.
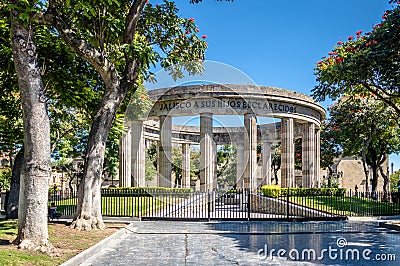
[(366, 172), (374, 181), (364, 161), (35, 173), (88, 214), (386, 185), (13, 199), (330, 175)]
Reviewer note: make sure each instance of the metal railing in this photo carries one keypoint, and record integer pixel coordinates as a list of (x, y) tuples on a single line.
[(232, 205)]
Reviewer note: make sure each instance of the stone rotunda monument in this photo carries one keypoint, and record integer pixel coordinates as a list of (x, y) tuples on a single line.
[(300, 117)]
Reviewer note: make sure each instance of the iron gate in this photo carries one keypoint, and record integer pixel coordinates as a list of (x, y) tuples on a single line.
[(228, 205)]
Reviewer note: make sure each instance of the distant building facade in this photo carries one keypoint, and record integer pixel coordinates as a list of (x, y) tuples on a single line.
[(348, 172)]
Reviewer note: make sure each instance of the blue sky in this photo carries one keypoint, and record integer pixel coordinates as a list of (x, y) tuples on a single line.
[(277, 43)]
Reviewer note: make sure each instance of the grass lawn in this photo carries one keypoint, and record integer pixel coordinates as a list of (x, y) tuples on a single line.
[(124, 206), (130, 206), (68, 241), (350, 206)]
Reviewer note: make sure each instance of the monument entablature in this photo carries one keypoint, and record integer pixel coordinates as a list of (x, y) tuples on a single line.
[(229, 99), (300, 117)]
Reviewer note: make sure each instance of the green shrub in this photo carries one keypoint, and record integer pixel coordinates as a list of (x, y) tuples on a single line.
[(142, 191), (273, 191), (276, 191)]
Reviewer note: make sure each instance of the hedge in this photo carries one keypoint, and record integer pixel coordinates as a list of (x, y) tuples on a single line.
[(271, 191), (276, 191), (141, 191)]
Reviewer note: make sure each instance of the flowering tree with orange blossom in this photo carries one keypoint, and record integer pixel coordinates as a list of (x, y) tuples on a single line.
[(367, 129), (366, 64)]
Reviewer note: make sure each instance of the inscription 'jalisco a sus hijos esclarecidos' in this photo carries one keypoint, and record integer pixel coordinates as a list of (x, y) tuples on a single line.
[(235, 104)]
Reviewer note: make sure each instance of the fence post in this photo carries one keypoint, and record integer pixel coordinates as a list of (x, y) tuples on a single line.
[(54, 193), (287, 203), (101, 202), (248, 204), (208, 205), (139, 206), (351, 197)]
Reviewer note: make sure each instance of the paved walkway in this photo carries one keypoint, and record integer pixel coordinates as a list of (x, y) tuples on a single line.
[(245, 243)]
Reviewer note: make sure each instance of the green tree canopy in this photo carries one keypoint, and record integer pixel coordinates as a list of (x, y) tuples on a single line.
[(226, 165), (366, 129), (366, 64)]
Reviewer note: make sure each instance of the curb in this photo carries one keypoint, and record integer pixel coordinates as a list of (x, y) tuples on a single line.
[(373, 218), (393, 217), (363, 219), (87, 253)]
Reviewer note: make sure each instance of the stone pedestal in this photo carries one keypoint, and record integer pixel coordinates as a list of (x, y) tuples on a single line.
[(185, 165), (250, 151), (308, 155), (165, 152), (207, 158), (287, 154), (138, 154), (125, 170)]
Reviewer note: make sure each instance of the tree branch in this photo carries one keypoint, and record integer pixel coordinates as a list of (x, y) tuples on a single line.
[(88, 52), (385, 92), (47, 17), (384, 99), (132, 20), (130, 73), (60, 136)]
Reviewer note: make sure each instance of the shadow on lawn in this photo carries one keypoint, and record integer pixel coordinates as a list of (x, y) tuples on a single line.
[(5, 242), (357, 206)]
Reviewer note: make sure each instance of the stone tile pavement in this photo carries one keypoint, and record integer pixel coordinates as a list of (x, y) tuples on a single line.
[(244, 243)]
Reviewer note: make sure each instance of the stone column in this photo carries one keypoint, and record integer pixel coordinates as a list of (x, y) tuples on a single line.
[(308, 155), (239, 163), (125, 150), (165, 152), (287, 154), (138, 154), (250, 151), (185, 165), (317, 157), (206, 151), (213, 182), (266, 163)]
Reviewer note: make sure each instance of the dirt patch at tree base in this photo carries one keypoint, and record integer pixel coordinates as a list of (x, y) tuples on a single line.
[(69, 242)]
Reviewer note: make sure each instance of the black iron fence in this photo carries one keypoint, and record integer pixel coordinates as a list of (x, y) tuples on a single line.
[(233, 205)]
